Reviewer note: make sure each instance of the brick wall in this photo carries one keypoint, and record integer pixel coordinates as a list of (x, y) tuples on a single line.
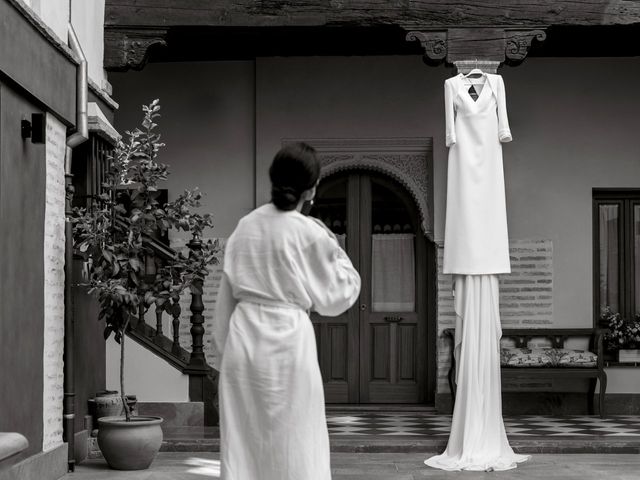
[(526, 296), (53, 284)]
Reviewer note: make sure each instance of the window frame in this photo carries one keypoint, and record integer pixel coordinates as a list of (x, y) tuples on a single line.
[(626, 199)]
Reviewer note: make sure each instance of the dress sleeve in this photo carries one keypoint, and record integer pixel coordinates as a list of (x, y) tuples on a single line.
[(225, 304), (504, 133), (449, 114), (329, 277)]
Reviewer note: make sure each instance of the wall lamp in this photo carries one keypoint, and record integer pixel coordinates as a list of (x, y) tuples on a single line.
[(35, 129)]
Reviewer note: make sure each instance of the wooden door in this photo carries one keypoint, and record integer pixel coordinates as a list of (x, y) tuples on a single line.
[(376, 351)]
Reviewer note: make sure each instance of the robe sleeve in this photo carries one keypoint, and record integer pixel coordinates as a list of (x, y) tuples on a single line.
[(449, 114), (225, 304), (504, 133), (329, 277)]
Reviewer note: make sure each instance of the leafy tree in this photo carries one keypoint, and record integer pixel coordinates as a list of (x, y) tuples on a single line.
[(113, 234)]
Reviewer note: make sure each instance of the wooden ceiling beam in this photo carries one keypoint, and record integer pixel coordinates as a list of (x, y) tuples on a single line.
[(446, 31), (411, 15)]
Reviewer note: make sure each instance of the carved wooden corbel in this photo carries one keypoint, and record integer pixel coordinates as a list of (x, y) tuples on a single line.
[(481, 44), (129, 49), (434, 44), (518, 43)]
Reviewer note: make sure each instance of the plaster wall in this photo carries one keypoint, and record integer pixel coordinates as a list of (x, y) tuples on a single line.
[(146, 376), (32, 218), (207, 123), (88, 22), (55, 13), (87, 18), (574, 129), (22, 217)]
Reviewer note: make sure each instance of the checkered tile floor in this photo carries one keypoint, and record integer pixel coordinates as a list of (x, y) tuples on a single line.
[(523, 425)]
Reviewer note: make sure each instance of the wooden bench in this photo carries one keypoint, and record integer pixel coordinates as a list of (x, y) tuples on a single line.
[(557, 337)]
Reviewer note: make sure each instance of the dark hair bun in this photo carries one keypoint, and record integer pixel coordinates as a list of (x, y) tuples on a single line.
[(295, 168), (285, 198)]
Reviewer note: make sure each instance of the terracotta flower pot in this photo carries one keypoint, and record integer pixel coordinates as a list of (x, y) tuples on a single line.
[(129, 445), (107, 404)]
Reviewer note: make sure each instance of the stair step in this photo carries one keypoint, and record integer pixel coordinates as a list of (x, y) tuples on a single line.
[(380, 408), (427, 446), (206, 440), (174, 414)]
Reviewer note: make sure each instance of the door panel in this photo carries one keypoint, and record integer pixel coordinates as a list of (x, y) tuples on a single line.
[(407, 339), (338, 337), (380, 368), (376, 351), (389, 261)]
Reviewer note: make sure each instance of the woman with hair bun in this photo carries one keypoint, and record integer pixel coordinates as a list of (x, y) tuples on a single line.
[(278, 266)]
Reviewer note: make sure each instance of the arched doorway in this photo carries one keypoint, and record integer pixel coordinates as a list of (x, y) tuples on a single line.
[(382, 350)]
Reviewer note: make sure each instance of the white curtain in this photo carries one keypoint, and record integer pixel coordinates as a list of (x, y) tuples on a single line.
[(393, 272), (608, 234)]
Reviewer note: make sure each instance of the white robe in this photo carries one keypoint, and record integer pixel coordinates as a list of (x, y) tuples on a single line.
[(278, 266), (475, 238)]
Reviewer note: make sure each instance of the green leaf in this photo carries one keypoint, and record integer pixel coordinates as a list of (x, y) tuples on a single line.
[(136, 264), (107, 255), (148, 298)]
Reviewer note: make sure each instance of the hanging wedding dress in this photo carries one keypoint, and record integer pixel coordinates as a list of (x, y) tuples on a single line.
[(475, 237), (476, 249)]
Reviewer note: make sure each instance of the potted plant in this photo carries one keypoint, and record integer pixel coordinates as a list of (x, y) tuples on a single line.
[(113, 234), (623, 336)]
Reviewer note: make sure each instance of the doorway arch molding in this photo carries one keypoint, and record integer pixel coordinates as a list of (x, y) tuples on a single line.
[(407, 160)]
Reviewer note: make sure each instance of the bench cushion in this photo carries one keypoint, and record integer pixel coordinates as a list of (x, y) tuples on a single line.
[(547, 357)]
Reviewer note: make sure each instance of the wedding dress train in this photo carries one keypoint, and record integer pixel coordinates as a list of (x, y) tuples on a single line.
[(478, 440)]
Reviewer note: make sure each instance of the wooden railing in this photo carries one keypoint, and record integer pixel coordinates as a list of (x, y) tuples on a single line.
[(149, 333)]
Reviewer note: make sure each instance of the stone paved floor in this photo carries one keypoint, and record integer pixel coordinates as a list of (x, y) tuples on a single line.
[(383, 466), (437, 425)]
